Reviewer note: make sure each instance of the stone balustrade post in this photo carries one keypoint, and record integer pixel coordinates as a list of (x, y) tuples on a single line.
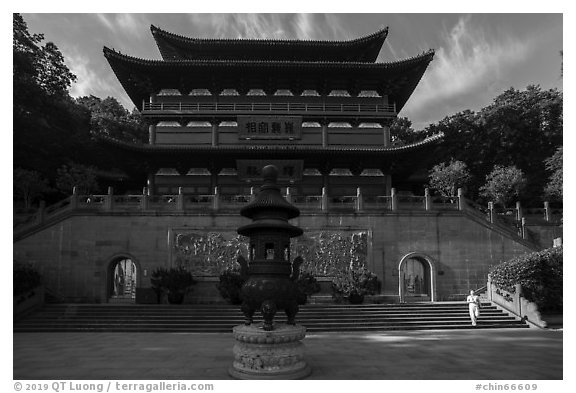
[(74, 198), (180, 200), (461, 200), (288, 195), (394, 198), (523, 228), (41, 212), (324, 200), (519, 214), (109, 200), (491, 211), (359, 200), (216, 200), (427, 199), (547, 211), (144, 202), (517, 302)]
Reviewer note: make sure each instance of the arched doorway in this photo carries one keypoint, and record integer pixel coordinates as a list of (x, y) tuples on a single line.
[(122, 280), (416, 278)]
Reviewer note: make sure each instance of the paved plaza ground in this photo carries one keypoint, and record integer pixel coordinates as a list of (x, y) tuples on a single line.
[(506, 354)]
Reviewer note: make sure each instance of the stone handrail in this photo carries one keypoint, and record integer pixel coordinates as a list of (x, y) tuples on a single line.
[(516, 304), (215, 202)]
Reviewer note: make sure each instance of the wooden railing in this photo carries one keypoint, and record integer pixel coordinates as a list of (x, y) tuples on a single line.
[(292, 107)]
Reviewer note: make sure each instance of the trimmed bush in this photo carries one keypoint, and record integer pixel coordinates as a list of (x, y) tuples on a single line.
[(26, 278), (354, 283), (307, 285), (540, 274), (230, 284), (172, 282)]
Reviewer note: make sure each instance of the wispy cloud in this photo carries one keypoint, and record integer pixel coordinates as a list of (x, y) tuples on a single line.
[(87, 79), (468, 61), (105, 20), (270, 26), (134, 24)]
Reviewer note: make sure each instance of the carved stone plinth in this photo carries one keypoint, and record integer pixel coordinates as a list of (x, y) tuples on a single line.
[(272, 354)]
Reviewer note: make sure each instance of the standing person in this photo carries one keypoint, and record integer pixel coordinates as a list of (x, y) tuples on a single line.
[(473, 307)]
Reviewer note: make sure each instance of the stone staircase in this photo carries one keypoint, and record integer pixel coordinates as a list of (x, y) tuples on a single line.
[(221, 318)]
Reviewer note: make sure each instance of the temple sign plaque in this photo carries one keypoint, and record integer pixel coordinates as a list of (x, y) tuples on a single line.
[(269, 127)]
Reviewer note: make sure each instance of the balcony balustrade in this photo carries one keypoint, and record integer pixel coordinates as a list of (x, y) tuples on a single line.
[(293, 108)]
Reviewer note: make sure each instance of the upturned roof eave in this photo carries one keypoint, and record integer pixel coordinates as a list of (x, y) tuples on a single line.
[(304, 149), (112, 54), (369, 45)]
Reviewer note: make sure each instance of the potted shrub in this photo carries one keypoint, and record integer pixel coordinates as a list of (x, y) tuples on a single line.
[(230, 284), (171, 284), (353, 285), (306, 285)]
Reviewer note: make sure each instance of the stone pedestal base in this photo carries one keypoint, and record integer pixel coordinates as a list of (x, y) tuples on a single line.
[(274, 354)]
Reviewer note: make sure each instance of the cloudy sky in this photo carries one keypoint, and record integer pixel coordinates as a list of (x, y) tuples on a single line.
[(477, 56)]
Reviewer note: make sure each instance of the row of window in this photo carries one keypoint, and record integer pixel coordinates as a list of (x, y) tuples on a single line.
[(253, 170), (306, 124), (260, 92)]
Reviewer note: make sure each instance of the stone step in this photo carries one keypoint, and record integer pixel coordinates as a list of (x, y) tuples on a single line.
[(221, 318)]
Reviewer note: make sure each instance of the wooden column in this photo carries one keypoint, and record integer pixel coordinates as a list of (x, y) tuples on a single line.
[(214, 132), (386, 135), (152, 134)]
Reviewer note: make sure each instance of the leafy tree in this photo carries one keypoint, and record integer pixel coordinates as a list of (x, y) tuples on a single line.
[(506, 133), (29, 185), (525, 128), (110, 118), (39, 72), (555, 184), (503, 184), (76, 175), (447, 178), (49, 129), (401, 132)]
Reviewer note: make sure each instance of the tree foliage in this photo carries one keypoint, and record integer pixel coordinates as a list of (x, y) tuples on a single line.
[(108, 117), (50, 128), (28, 185), (402, 133), (555, 184), (76, 175), (503, 184), (539, 273), (520, 127), (447, 178)]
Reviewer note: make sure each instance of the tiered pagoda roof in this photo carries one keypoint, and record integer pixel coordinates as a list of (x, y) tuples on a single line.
[(398, 160), (177, 47), (140, 77)]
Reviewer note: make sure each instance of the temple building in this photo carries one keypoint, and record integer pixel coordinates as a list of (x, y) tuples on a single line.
[(221, 109), (320, 111)]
